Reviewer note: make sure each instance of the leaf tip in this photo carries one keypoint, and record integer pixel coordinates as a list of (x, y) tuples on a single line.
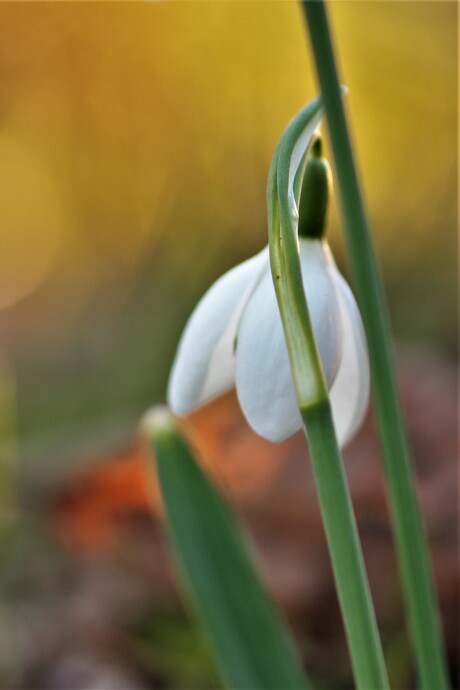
[(157, 422)]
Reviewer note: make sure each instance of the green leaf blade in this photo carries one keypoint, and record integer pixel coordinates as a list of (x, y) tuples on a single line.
[(248, 639)]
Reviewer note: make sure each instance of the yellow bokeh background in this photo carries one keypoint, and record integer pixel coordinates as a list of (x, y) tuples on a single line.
[(135, 143)]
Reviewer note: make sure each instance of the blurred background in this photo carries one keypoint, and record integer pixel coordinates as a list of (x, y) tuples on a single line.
[(135, 144)]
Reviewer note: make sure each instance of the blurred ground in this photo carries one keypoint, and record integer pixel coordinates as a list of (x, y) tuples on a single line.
[(84, 613)]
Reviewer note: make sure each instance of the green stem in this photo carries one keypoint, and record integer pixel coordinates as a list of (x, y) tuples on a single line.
[(344, 547), (410, 538), (312, 394)]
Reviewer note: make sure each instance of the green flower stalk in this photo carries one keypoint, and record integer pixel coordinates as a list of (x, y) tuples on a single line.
[(312, 389)]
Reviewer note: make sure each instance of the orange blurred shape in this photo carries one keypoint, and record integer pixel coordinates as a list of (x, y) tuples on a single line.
[(88, 512), (92, 512)]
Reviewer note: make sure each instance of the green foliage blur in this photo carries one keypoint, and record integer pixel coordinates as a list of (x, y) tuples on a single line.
[(135, 144)]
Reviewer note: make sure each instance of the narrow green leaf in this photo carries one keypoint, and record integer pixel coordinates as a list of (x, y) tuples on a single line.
[(411, 541), (249, 641)]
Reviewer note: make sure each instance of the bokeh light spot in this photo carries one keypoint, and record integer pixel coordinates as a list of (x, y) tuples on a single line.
[(30, 221)]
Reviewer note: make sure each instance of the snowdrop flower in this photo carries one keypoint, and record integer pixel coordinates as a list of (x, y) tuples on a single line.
[(235, 337)]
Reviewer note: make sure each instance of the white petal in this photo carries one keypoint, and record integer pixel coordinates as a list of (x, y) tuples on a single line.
[(349, 394), (263, 375), (204, 363), (318, 281)]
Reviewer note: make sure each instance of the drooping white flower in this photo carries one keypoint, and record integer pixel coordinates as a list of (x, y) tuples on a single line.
[(235, 337)]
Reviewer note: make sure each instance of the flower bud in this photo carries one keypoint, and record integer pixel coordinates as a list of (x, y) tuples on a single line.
[(315, 193)]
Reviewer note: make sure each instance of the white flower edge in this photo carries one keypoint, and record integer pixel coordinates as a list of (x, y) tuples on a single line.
[(203, 364), (350, 391)]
